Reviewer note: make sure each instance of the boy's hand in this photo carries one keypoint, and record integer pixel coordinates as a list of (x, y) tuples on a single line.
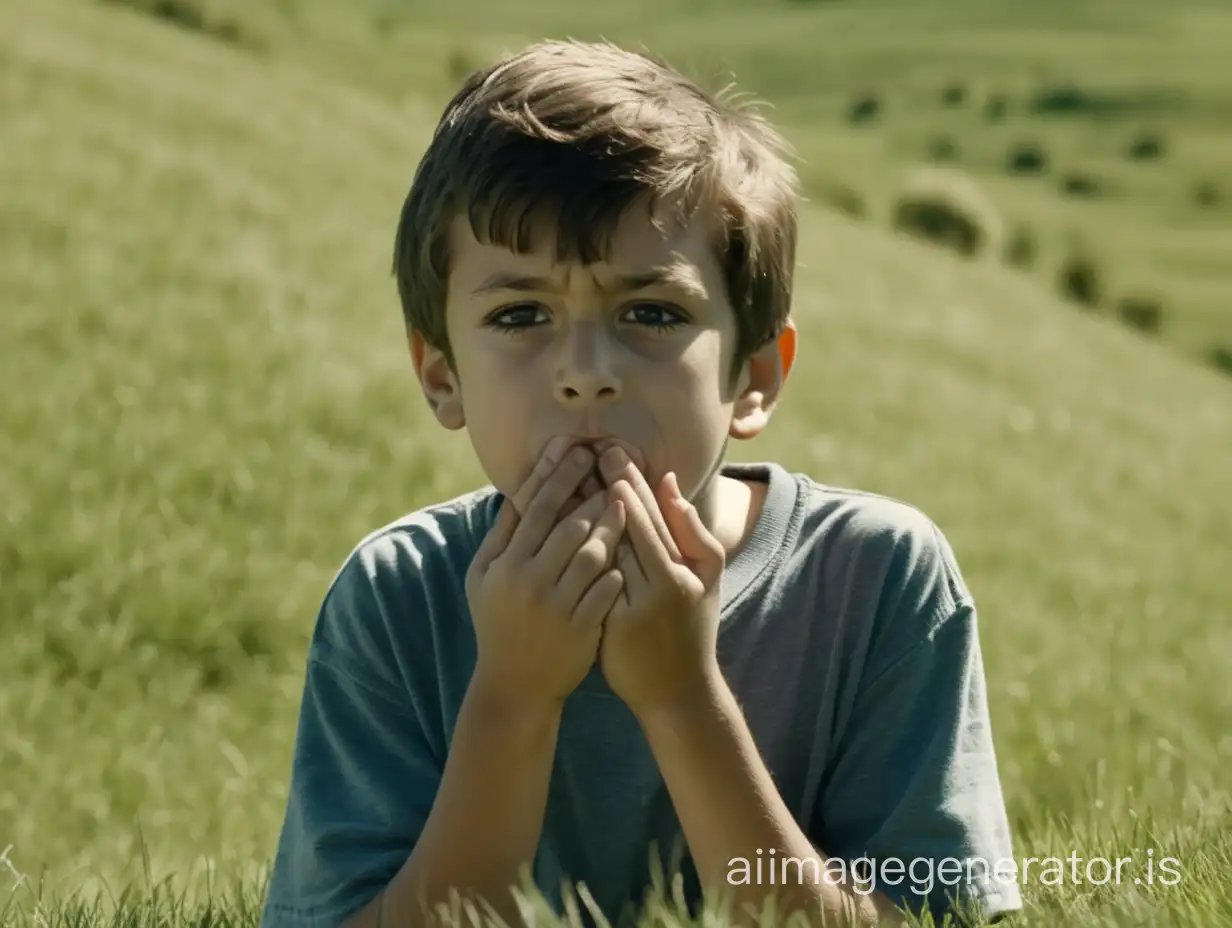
[(658, 648), (539, 586)]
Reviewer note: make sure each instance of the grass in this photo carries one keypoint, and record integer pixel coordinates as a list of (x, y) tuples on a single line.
[(205, 402)]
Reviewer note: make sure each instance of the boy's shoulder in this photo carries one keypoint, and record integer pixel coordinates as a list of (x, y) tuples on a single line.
[(445, 528), (875, 543), (891, 529), (855, 515), (399, 583)]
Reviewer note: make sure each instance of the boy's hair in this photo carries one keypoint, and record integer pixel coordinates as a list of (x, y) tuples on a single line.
[(577, 132)]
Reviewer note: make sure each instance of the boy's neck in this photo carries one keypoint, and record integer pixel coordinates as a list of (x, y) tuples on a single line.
[(734, 508)]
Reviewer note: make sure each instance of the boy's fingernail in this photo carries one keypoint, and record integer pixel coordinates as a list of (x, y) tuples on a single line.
[(555, 448), (612, 462)]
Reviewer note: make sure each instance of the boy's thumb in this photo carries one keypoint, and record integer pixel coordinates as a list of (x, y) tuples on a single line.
[(700, 549)]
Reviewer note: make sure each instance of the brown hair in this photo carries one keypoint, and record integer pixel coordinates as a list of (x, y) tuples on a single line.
[(579, 131)]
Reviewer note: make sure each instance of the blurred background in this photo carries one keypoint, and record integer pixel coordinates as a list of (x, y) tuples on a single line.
[(1015, 312)]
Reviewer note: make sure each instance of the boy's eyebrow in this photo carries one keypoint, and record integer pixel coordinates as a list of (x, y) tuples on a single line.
[(680, 276)]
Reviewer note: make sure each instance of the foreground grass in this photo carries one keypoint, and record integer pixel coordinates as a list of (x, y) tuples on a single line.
[(204, 403), (236, 902)]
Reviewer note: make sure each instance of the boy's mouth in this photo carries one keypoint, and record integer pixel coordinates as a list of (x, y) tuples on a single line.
[(594, 482), (599, 445)]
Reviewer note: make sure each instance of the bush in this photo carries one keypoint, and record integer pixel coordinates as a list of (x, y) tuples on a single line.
[(1062, 98), (864, 108), (954, 94), (1079, 184), (1220, 357), (1021, 249), (185, 13), (229, 31), (1068, 99), (842, 198), (1027, 158), (1206, 194), (1147, 146), (996, 107), (948, 210), (1142, 312), (1078, 281), (461, 65), (942, 148), (190, 15)]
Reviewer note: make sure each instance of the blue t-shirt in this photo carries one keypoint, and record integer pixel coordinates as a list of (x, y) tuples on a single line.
[(847, 635)]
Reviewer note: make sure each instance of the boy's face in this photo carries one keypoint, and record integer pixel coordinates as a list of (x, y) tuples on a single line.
[(634, 350)]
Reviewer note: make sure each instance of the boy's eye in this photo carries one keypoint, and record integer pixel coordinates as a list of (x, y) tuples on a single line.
[(659, 316), (512, 319)]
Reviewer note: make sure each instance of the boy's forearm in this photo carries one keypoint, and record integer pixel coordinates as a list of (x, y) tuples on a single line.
[(710, 762), (486, 819)]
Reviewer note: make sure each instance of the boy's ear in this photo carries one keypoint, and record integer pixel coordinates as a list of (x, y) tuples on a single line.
[(439, 383), (787, 347), (762, 383)]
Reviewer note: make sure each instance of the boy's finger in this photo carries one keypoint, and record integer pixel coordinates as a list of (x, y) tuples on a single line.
[(652, 556), (544, 468), (626, 561), (498, 536), (615, 465), (543, 513), (510, 513)]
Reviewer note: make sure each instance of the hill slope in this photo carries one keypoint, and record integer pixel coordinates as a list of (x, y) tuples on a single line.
[(205, 402), (1079, 81)]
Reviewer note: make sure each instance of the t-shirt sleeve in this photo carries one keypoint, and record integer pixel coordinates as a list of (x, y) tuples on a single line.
[(912, 785), (365, 769)]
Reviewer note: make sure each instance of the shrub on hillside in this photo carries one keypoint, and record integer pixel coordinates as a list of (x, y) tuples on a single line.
[(1081, 184), (1206, 194), (191, 15), (1220, 357), (1078, 280), (461, 65), (842, 198), (1061, 98), (954, 94), (863, 108), (996, 107), (186, 13), (1142, 312), (1021, 248), (1027, 158), (1146, 146), (942, 148), (1068, 99), (949, 210)]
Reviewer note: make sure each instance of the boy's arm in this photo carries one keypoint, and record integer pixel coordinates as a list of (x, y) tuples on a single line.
[(487, 817), (911, 782), (710, 762), (377, 803)]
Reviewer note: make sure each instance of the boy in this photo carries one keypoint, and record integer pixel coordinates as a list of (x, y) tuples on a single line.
[(625, 645)]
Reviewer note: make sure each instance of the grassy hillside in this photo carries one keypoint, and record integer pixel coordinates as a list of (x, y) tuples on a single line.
[(205, 402), (1082, 81)]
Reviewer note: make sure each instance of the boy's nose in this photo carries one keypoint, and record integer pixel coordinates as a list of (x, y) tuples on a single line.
[(586, 373)]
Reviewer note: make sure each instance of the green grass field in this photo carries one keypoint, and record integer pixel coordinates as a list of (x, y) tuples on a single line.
[(205, 402)]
